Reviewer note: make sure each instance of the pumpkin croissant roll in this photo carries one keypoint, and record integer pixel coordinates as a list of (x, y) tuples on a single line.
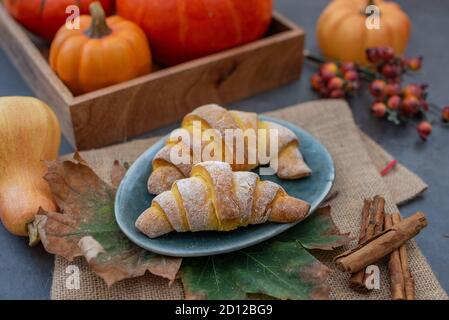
[(290, 163), (215, 198)]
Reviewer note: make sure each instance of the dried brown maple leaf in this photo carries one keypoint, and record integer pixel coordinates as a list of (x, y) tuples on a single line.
[(87, 226)]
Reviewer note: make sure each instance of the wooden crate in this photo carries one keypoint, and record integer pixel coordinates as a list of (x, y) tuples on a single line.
[(122, 111)]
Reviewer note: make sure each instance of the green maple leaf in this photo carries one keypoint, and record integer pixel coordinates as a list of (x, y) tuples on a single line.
[(281, 268), (317, 232)]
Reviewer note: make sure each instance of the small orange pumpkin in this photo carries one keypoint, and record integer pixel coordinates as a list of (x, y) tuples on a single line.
[(102, 52), (343, 35)]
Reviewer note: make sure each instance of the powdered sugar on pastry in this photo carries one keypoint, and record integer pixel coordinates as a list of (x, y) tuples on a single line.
[(163, 178), (221, 177), (245, 186), (168, 204), (291, 164), (197, 204), (215, 116), (285, 135), (265, 193), (165, 154)]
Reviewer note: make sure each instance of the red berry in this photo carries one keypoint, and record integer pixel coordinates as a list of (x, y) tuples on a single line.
[(387, 54), (316, 81), (337, 94), (348, 66), (403, 62), (445, 114), (379, 55), (391, 71), (373, 55), (377, 88), (394, 102), (410, 105), (324, 92), (414, 63), (335, 83), (424, 130), (415, 90), (351, 75), (379, 109), (392, 89), (328, 70)]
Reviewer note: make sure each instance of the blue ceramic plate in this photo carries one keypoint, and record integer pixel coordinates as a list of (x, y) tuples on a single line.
[(133, 198)]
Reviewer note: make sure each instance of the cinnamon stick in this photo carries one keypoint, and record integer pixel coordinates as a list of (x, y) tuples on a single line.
[(379, 214), (395, 269), (357, 280), (366, 213), (372, 225), (381, 245), (409, 282)]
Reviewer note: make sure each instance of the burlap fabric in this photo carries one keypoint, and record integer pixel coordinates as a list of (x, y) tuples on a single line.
[(357, 159)]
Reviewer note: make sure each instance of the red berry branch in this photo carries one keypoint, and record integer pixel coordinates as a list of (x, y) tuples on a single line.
[(393, 100)]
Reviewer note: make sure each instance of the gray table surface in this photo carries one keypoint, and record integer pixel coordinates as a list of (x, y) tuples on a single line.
[(26, 273)]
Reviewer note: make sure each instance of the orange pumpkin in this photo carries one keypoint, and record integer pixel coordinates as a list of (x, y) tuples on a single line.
[(182, 30), (343, 35), (45, 17), (101, 53)]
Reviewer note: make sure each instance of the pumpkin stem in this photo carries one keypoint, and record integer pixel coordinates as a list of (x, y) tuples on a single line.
[(369, 3), (99, 28)]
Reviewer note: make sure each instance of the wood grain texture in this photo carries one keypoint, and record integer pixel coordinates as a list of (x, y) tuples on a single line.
[(117, 113)]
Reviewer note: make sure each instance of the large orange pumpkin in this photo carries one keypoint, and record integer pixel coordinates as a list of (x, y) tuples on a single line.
[(101, 53), (45, 17), (343, 35), (181, 30)]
